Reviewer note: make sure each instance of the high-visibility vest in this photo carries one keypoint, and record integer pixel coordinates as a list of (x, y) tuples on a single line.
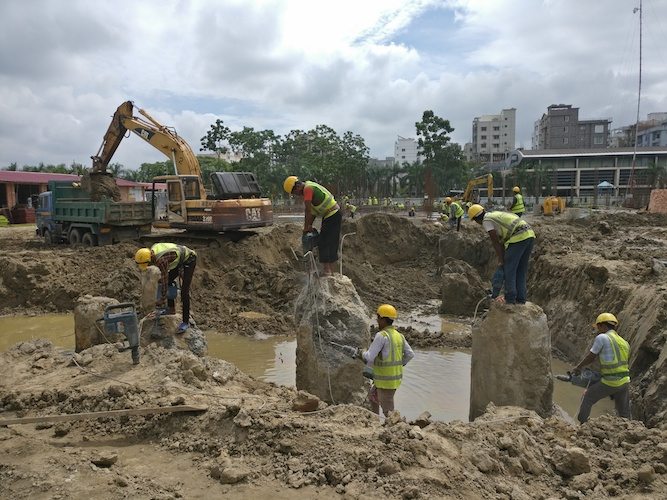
[(511, 228), (616, 372), (326, 207), (458, 210), (388, 373), (518, 206), (183, 253)]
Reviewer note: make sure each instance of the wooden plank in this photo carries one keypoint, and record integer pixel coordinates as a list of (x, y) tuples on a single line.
[(69, 417)]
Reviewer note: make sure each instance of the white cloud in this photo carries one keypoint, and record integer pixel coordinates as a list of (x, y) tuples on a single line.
[(65, 67)]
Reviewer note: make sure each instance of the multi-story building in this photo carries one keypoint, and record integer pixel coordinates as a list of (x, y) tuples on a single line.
[(561, 128), (652, 132), (493, 136), (406, 150), (388, 162), (579, 173)]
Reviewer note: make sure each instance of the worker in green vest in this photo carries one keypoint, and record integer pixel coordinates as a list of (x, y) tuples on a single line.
[(351, 209), (319, 202), (517, 207), (455, 213), (613, 353), (173, 261), (512, 240), (387, 355)]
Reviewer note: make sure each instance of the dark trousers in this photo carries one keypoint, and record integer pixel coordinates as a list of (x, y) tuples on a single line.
[(330, 238), (517, 256), (598, 391), (188, 268)]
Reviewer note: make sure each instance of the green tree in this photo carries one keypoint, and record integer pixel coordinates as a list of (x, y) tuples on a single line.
[(444, 167), (216, 139)]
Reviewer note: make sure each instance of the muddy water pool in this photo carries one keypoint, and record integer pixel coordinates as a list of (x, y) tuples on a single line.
[(437, 380)]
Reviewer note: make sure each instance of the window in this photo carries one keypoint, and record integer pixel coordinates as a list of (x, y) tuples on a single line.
[(483, 137), (567, 118), (496, 145), (565, 129), (403, 150), (496, 137), (598, 139), (496, 128), (565, 140), (599, 129), (403, 157), (484, 144), (483, 128)]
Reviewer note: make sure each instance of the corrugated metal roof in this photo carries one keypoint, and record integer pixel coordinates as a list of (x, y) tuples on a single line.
[(20, 177)]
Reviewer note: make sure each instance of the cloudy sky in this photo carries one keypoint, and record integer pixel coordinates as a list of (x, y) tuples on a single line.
[(369, 66)]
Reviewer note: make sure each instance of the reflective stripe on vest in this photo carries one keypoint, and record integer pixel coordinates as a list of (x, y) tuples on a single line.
[(388, 373), (509, 225), (616, 372), (327, 203), (518, 206), (458, 210), (182, 253)]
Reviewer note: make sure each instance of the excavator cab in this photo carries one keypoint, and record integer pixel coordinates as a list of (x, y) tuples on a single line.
[(234, 185)]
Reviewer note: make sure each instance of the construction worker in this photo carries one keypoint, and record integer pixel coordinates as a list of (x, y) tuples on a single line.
[(319, 202), (173, 261), (613, 353), (351, 209), (455, 213), (387, 355), (512, 239), (517, 207)]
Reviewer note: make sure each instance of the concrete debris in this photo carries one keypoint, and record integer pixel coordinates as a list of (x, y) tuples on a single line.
[(104, 458), (305, 402), (571, 461), (330, 310), (162, 330), (511, 360)]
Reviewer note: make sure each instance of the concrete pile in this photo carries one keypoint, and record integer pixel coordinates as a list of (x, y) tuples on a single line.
[(462, 288), (88, 330), (511, 360), (330, 310)]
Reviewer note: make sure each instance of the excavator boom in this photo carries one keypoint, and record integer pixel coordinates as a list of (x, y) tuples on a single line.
[(164, 139), (477, 181)]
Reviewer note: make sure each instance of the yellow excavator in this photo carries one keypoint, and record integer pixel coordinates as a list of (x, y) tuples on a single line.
[(477, 181), (236, 201)]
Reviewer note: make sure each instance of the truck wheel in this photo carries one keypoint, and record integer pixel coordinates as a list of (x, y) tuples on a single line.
[(48, 239), (74, 237), (89, 240)]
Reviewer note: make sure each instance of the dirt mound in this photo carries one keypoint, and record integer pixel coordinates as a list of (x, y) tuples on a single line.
[(250, 443)]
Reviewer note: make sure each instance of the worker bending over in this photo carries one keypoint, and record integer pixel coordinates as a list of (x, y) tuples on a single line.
[(319, 202), (517, 207), (173, 261), (512, 239), (613, 352), (387, 355), (455, 213)]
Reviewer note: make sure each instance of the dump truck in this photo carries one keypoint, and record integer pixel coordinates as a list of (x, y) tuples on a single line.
[(67, 214)]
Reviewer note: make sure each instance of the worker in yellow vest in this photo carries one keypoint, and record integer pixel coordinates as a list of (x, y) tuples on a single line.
[(613, 353), (387, 355), (517, 207), (173, 261), (455, 213), (319, 202), (512, 240)]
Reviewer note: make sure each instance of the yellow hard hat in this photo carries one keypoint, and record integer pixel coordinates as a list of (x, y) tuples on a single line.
[(448, 200), (387, 311), (516, 189), (606, 318), (143, 258), (475, 210), (288, 185)]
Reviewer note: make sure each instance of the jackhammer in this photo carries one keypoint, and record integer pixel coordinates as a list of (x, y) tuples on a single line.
[(122, 318), (354, 353), (587, 378)]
